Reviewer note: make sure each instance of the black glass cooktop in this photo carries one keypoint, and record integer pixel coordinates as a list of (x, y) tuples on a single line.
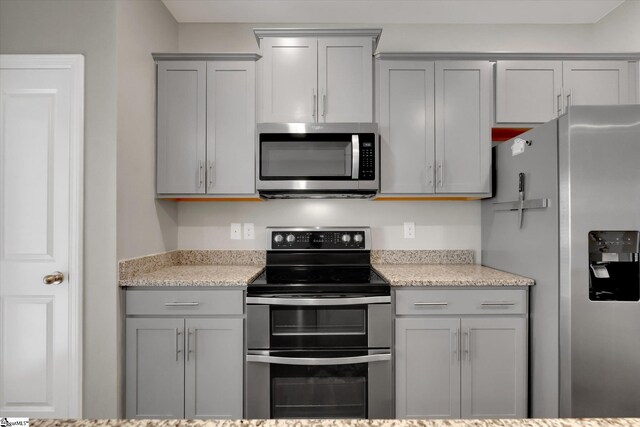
[(319, 279)]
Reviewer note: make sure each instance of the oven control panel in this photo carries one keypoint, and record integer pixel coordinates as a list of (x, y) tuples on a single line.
[(318, 238)]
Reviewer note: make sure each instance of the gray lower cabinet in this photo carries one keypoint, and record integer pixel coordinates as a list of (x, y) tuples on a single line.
[(455, 361), (182, 366)]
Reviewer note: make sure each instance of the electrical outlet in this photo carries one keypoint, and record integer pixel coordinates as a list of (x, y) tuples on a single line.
[(236, 231), (409, 230), (249, 233)]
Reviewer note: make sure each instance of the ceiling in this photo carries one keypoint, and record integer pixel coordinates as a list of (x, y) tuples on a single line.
[(392, 11)]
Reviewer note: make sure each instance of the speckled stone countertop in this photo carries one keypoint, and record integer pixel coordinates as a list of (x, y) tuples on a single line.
[(448, 275), (196, 275), (564, 422), (192, 268)]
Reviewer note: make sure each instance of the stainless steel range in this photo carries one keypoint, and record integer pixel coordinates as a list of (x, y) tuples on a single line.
[(318, 328)]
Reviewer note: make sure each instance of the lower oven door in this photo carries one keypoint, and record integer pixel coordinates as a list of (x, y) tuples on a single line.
[(319, 384)]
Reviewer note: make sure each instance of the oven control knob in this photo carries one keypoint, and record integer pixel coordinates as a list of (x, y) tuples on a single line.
[(291, 238), (357, 238), (346, 238), (278, 238)]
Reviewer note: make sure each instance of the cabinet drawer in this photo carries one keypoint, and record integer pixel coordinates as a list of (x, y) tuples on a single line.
[(184, 302), (464, 301)]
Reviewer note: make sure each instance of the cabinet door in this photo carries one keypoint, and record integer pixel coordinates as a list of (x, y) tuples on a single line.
[(463, 133), (231, 127), (427, 368), (214, 368), (289, 80), (595, 82), (345, 79), (406, 126), (154, 368), (181, 126), (528, 91), (494, 368)]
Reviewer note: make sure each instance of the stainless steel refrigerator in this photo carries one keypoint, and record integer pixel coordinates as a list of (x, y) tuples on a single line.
[(566, 212)]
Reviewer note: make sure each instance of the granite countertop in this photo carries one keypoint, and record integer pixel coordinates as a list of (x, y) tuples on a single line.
[(550, 422), (196, 275), (448, 275), (237, 268), (192, 268)]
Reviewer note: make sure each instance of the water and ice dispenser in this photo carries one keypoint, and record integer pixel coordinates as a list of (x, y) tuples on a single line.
[(614, 267)]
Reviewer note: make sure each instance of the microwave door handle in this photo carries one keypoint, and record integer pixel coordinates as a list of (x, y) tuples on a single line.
[(355, 158), (317, 361)]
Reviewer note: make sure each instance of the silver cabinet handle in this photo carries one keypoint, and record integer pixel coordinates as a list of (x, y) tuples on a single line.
[(440, 303), (201, 174), (318, 361), (210, 173), (569, 98), (456, 344), (430, 174), (355, 156), (497, 304), (181, 304), (318, 301), (189, 333), (314, 104), (54, 278), (467, 350), (324, 104), (559, 100), (440, 173), (178, 333)]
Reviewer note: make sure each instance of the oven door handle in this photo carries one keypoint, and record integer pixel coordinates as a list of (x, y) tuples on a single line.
[(319, 301), (316, 361)]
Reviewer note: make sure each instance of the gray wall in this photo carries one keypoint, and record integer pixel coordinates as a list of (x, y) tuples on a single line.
[(88, 28), (145, 226)]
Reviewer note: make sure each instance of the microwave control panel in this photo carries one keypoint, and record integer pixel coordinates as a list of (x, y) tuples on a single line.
[(367, 170)]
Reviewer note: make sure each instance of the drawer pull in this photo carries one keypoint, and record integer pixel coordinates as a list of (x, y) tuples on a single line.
[(440, 304), (497, 304), (181, 304)]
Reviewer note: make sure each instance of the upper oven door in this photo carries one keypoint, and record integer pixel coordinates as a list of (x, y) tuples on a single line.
[(303, 323), (328, 158)]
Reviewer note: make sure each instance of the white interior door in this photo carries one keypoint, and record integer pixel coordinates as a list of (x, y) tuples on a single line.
[(41, 105)]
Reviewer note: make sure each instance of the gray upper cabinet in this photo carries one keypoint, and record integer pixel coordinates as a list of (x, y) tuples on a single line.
[(595, 82), (289, 80), (316, 77), (206, 126), (434, 121), (528, 91), (181, 127), (537, 91), (231, 127)]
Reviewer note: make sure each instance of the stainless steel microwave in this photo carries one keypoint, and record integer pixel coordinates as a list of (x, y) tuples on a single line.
[(317, 160)]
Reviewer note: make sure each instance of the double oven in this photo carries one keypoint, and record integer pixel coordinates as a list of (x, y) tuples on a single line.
[(318, 328)]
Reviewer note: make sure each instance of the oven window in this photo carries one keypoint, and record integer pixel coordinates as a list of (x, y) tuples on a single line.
[(305, 159), (299, 321), (333, 391)]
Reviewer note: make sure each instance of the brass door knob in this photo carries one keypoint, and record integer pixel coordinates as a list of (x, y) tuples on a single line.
[(54, 278)]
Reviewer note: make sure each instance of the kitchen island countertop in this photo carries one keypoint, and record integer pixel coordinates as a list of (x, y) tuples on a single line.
[(547, 422)]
